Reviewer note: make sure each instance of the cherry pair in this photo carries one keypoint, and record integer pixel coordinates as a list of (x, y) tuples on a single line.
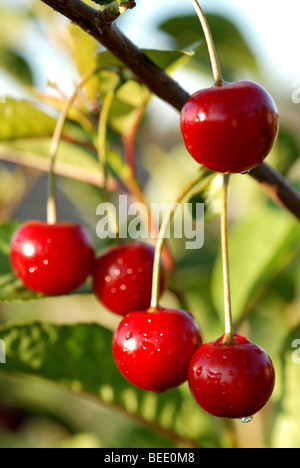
[(159, 350), (56, 259)]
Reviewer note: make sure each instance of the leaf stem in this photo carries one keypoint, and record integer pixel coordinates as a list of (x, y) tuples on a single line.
[(205, 178), (210, 43)]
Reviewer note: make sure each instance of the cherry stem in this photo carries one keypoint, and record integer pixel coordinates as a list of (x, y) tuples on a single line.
[(210, 43), (206, 178), (229, 336), (51, 203)]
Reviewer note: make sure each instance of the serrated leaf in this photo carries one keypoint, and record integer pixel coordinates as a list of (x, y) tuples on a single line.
[(79, 357), (22, 119), (259, 248)]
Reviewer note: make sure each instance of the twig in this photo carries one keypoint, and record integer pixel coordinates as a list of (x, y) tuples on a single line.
[(93, 22)]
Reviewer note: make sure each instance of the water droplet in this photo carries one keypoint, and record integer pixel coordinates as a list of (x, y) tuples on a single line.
[(208, 355), (226, 355), (258, 350), (199, 371), (128, 336), (246, 419)]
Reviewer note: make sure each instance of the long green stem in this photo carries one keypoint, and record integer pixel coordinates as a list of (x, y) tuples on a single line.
[(210, 43), (228, 337), (51, 204), (161, 236)]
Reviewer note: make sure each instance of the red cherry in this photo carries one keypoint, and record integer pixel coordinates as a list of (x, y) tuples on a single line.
[(231, 381), (52, 259), (123, 277), (230, 128), (152, 350)]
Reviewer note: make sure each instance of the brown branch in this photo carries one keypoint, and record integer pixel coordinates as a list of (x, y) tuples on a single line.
[(103, 29), (277, 187)]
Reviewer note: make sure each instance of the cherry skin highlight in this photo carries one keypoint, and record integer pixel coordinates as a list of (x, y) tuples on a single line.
[(230, 128), (231, 381), (123, 277), (52, 259), (152, 350)]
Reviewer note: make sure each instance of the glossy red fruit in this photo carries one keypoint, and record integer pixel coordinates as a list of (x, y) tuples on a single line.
[(231, 381), (152, 350), (52, 259), (123, 277), (230, 128)]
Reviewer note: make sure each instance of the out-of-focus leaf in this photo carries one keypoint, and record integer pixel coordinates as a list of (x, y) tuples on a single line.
[(168, 59), (11, 289), (233, 50), (285, 428), (84, 49), (6, 232), (286, 151), (259, 248), (22, 119), (16, 65), (165, 59), (211, 198), (79, 358), (122, 113), (69, 154)]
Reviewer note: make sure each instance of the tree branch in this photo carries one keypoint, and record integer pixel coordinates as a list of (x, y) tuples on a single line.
[(101, 26)]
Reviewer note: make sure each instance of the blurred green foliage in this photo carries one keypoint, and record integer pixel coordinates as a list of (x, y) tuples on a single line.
[(60, 387)]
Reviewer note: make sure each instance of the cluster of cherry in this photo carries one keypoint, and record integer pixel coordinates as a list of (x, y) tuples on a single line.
[(229, 128)]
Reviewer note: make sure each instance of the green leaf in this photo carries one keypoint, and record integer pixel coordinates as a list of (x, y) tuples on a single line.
[(285, 428), (22, 119), (84, 49), (35, 152), (169, 59), (11, 289), (233, 50), (16, 65), (6, 232), (79, 357), (260, 247)]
